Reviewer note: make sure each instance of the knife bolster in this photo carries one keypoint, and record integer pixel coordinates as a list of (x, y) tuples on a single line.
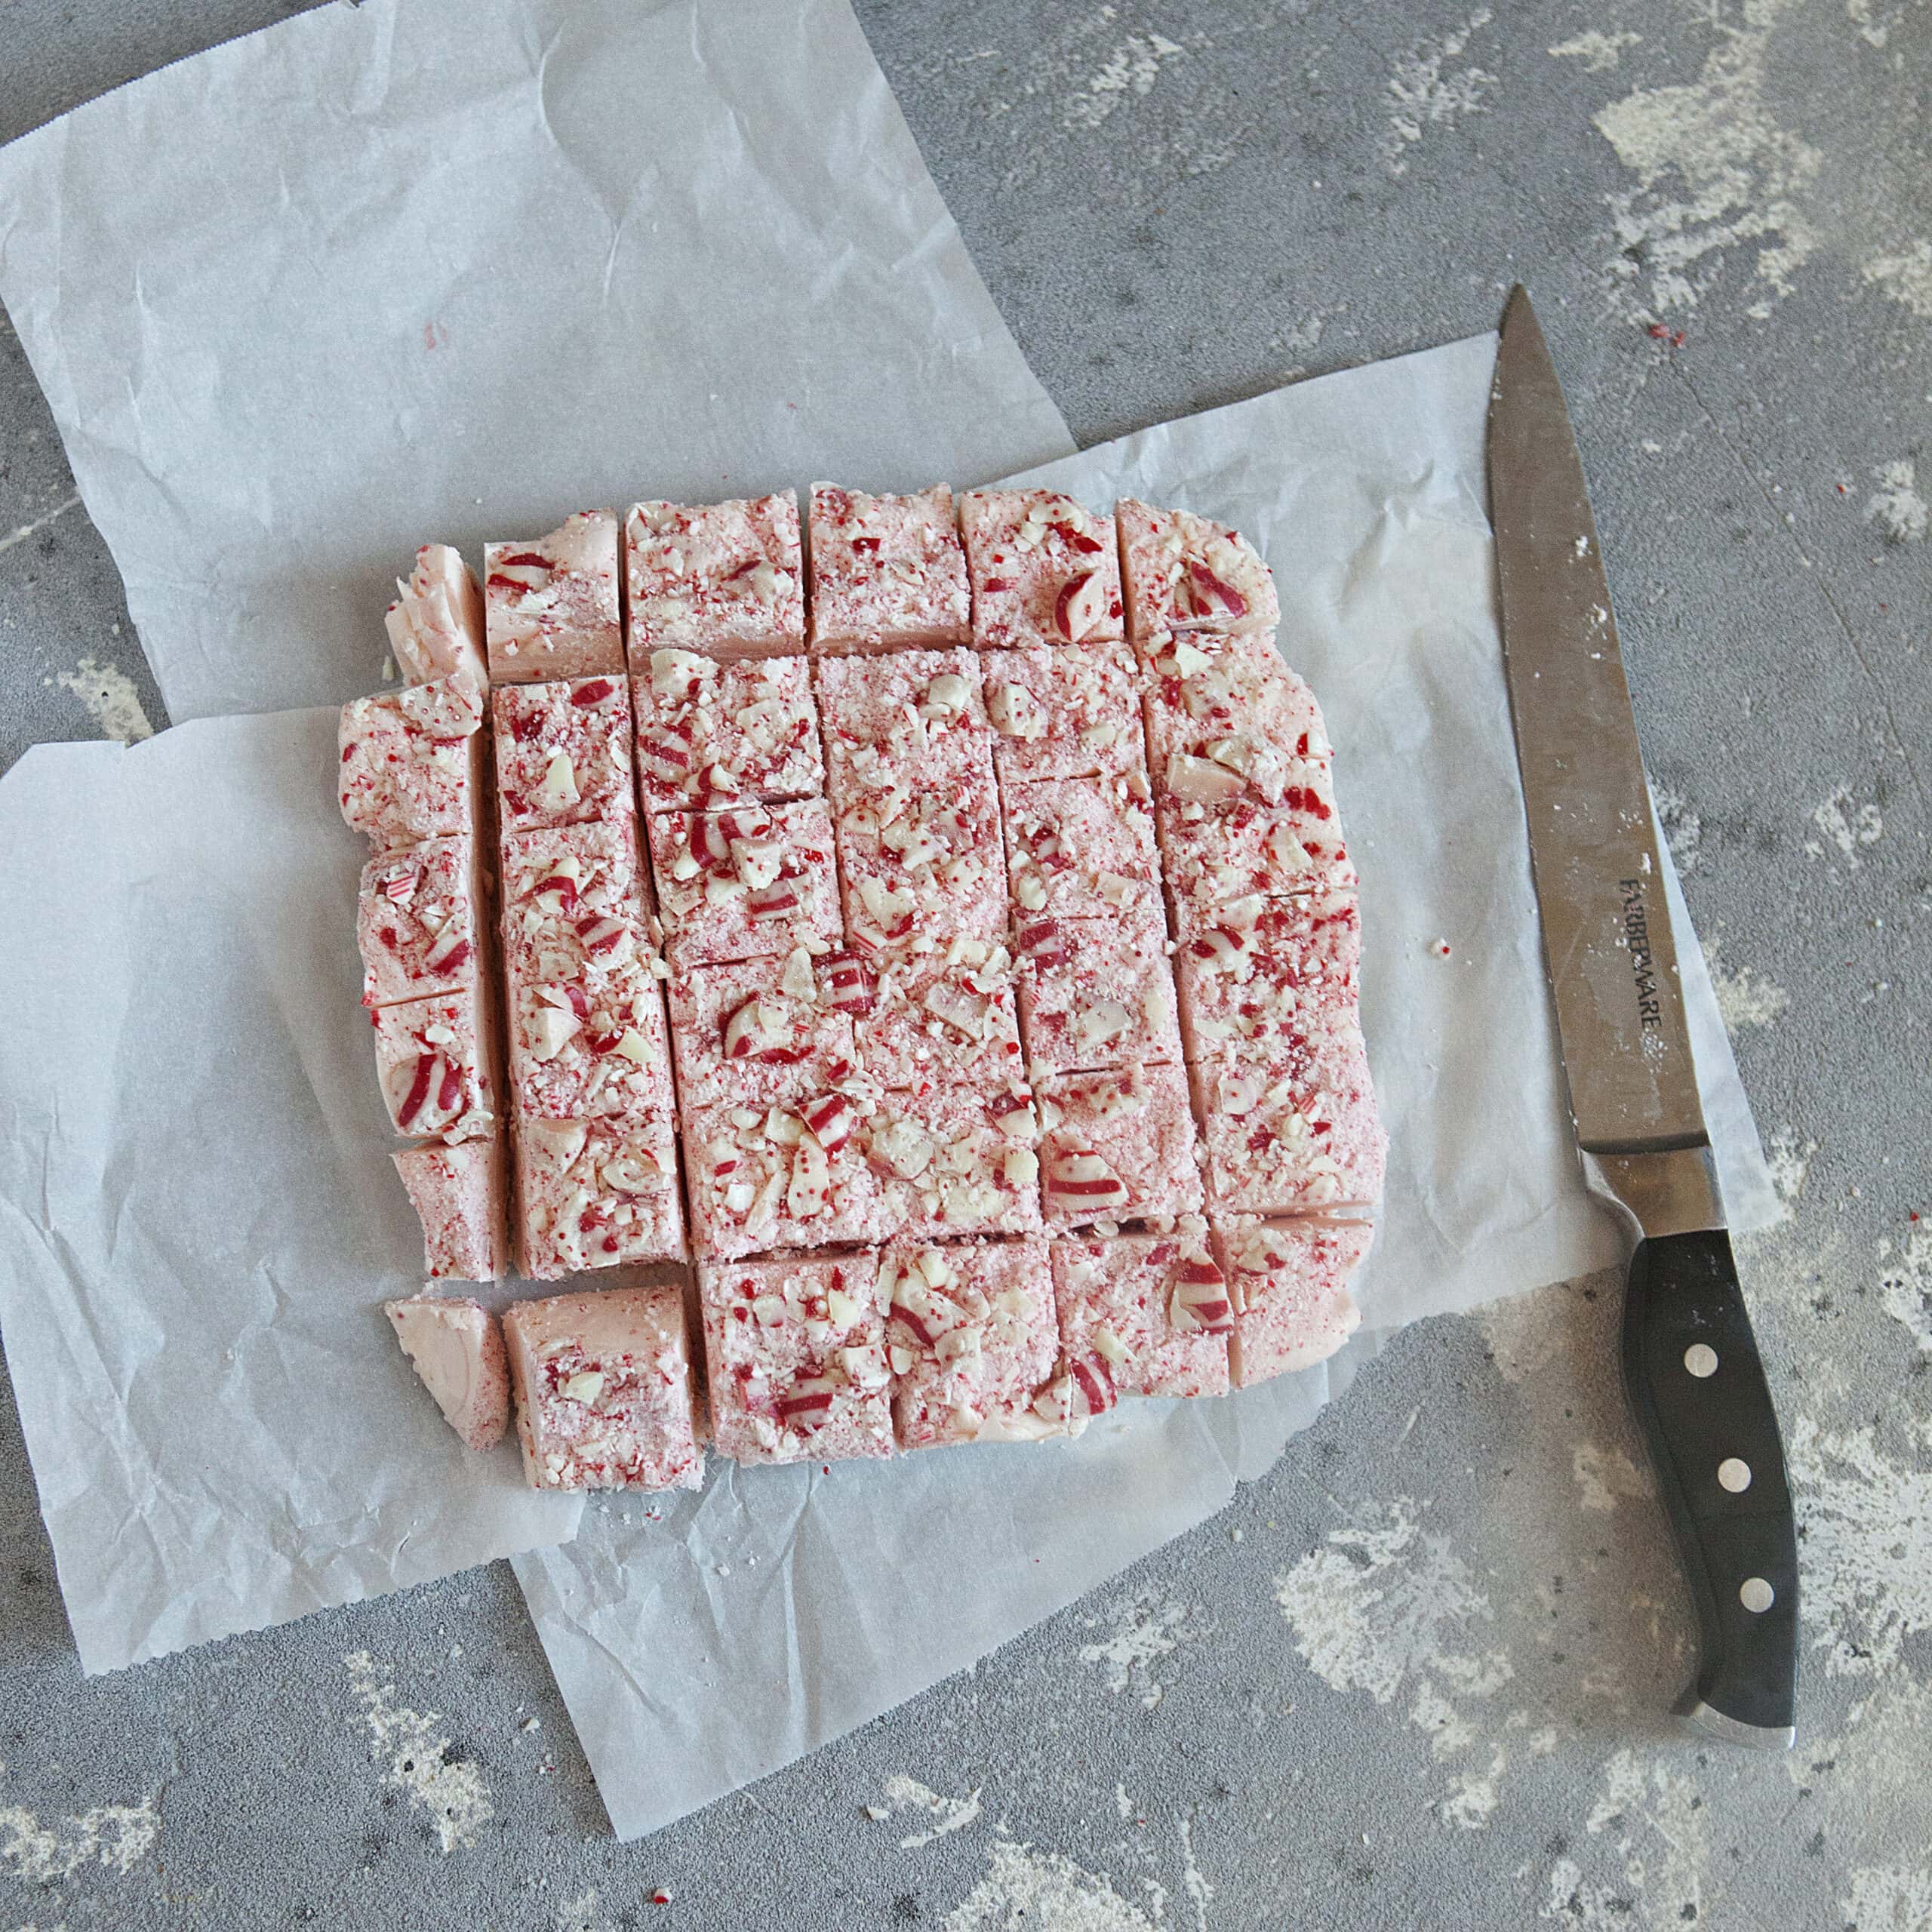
[(1671, 1191)]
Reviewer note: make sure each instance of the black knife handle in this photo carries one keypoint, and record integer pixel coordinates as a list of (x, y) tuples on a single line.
[(1691, 1369)]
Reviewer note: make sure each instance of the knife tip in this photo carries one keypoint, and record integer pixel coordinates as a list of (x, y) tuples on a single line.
[(1517, 306)]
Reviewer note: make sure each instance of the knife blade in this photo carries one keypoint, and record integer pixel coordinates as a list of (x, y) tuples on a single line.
[(1691, 1367)]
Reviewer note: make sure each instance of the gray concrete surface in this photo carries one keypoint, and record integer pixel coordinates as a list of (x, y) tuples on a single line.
[(1415, 1676)]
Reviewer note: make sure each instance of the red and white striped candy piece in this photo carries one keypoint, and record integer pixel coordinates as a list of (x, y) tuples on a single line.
[(830, 1118), (1200, 1302), (845, 981), (806, 1405), (1081, 603), (1080, 1174)]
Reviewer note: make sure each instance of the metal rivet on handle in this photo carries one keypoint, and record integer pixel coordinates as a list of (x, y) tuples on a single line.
[(1701, 1359), (1734, 1473), (1757, 1596)]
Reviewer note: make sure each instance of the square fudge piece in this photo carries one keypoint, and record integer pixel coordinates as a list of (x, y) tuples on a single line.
[(417, 921), (432, 1064), (1184, 573), (455, 1348), (727, 579), (1248, 980), (755, 1032), (1298, 1130), (922, 1018), (711, 734), (749, 883), (1118, 1147), (973, 1343), (435, 625), (411, 765), (1082, 848), (794, 1177), (563, 752), (920, 867), (1213, 855), (1237, 725), (1289, 1282), (551, 604), (1045, 570), (887, 572), (462, 1198), (901, 724), (605, 1397), (1142, 1315), (597, 1193), (952, 1162), (1066, 712), (796, 1349), (1096, 993)]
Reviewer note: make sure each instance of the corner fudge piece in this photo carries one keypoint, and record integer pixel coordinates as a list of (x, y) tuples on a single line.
[(973, 1343), (796, 1351), (563, 752), (1082, 848), (727, 579), (1096, 993), (745, 884), (711, 734), (456, 1350), (604, 1394), (1183, 572), (1227, 720), (410, 763), (417, 921), (793, 1176), (903, 724), (551, 604), (888, 572), (1059, 711), (1289, 1282), (1118, 1147), (1212, 855), (952, 1162), (435, 626), (432, 1063), (1045, 570), (1246, 981), (920, 866), (461, 1198), (921, 1018), (753, 1032), (599, 1192)]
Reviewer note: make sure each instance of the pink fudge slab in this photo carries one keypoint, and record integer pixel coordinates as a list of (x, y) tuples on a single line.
[(435, 625), (775, 1177), (417, 921), (456, 1349), (973, 1343), (755, 1032), (1096, 993), (1298, 1130), (1065, 711), (1184, 572), (1082, 848), (921, 867), (1142, 1315), (1118, 1147), (711, 734), (887, 572), (726, 579), (605, 1397), (563, 752), (1044, 569), (952, 1162), (1289, 1281), (598, 1193), (432, 1063), (1212, 855), (410, 763), (745, 884), (1239, 724), (462, 1198), (551, 604), (796, 1350), (951, 1014), (900, 724), (1247, 980)]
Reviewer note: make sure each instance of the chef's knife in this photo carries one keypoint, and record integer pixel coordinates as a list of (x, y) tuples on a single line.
[(1691, 1364)]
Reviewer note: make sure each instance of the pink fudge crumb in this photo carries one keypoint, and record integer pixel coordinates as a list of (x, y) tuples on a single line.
[(727, 579), (598, 1193), (456, 1349), (745, 884), (551, 604), (1184, 572), (973, 1343), (900, 724), (1212, 855), (888, 572), (410, 763), (953, 1162), (604, 1393), (756, 1031), (563, 752), (1289, 1281), (1095, 994), (1228, 720), (1118, 1147), (1045, 570), (920, 867), (1248, 979), (417, 921), (1082, 848), (462, 1199), (1065, 711), (922, 1018), (795, 1176), (711, 734), (796, 1348), (433, 1066), (435, 626)]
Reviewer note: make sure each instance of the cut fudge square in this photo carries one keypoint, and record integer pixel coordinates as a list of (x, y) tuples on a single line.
[(433, 1064), (951, 1014), (456, 1349), (598, 1192), (1183, 572), (796, 1349), (1248, 979), (1082, 848), (417, 921), (745, 884), (1212, 855), (1298, 1130), (762, 1178), (1118, 1147), (753, 1032), (1232, 728), (551, 604), (1095, 994), (410, 764), (1045, 570), (711, 734), (952, 1162), (435, 625), (727, 579), (563, 752), (605, 1397), (1289, 1282), (1142, 1315), (573, 900), (973, 1343), (887, 572), (1065, 711), (910, 722), (921, 868), (462, 1198)]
